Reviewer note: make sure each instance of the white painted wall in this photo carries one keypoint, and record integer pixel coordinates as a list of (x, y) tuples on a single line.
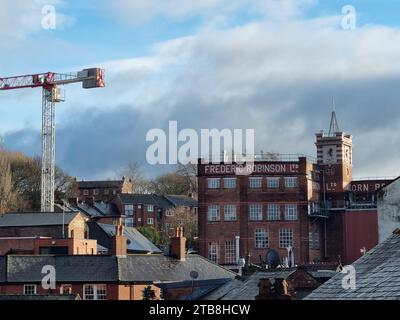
[(388, 210)]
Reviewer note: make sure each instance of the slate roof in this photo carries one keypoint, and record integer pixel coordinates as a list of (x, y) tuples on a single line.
[(179, 200), (100, 184), (36, 219), (247, 288), (162, 201), (102, 269), (377, 276), (137, 242)]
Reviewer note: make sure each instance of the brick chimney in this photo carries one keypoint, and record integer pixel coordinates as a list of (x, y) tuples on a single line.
[(178, 245), (119, 242)]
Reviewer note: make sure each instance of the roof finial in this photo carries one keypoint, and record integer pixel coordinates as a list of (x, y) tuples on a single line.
[(334, 127)]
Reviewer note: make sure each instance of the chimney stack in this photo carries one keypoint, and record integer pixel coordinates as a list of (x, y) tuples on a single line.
[(119, 242), (178, 245)]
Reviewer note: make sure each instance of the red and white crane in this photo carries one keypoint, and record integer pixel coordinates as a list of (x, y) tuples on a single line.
[(51, 94)]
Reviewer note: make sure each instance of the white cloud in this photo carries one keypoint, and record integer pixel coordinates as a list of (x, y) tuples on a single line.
[(142, 11), (19, 18)]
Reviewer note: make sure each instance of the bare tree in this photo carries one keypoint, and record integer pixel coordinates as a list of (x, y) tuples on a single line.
[(7, 194), (134, 172), (183, 217)]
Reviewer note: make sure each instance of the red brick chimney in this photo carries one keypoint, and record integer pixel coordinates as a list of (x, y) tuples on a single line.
[(178, 245), (119, 242)]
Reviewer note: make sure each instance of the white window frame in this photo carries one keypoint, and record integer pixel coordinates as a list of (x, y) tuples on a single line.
[(255, 212), (230, 183), (291, 212), (273, 183), (129, 224), (129, 209), (106, 192), (253, 184), (63, 288), (169, 213), (30, 292), (291, 182), (95, 192), (213, 213), (99, 291), (213, 252), (150, 208), (285, 238), (261, 238), (213, 183), (86, 192), (150, 221), (273, 212), (230, 252), (230, 212)]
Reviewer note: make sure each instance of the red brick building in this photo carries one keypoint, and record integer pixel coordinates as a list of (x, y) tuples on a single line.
[(292, 207), (103, 190)]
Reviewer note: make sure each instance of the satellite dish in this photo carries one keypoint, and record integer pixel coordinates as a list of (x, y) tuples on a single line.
[(194, 274), (273, 259)]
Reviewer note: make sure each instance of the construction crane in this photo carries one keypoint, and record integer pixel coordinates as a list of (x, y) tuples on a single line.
[(52, 94)]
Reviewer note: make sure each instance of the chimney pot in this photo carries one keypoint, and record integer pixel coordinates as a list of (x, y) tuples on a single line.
[(178, 245)]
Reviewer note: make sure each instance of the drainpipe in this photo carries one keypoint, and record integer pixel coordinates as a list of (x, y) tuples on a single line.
[(237, 238)]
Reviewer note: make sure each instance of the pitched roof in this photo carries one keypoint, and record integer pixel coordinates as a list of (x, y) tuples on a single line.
[(248, 289), (377, 276), (145, 199), (180, 200), (36, 219), (137, 242), (100, 184), (161, 201), (99, 268)]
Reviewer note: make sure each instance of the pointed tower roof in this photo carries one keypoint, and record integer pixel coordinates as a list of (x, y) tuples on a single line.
[(334, 126)]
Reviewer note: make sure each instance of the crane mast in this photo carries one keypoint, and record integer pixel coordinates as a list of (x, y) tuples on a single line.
[(51, 94)]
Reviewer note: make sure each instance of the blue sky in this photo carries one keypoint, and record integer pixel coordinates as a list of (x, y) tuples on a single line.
[(205, 64)]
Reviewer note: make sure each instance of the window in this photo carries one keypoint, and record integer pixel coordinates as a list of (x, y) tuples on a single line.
[(274, 212), (169, 213), (261, 238), (230, 252), (150, 208), (314, 240), (94, 292), (213, 213), (128, 222), (213, 183), (169, 226), (30, 289), (291, 212), (86, 192), (66, 289), (285, 238), (229, 183), (114, 191), (255, 183), (95, 192), (273, 183), (150, 221), (106, 191), (255, 212), (290, 182), (129, 209), (213, 252), (230, 212)]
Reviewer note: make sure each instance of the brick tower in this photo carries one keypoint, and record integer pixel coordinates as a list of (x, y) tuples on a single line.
[(334, 155)]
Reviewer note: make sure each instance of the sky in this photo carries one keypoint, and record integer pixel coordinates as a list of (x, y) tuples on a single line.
[(268, 65)]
